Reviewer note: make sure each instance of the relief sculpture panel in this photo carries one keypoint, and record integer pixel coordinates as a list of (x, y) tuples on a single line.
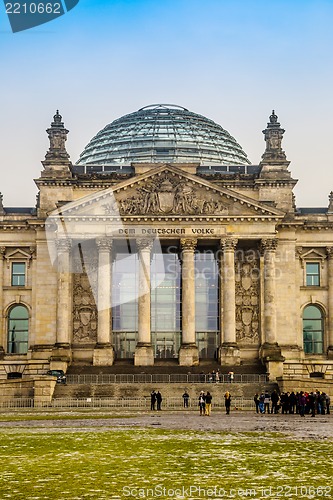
[(247, 277), (170, 195), (84, 306)]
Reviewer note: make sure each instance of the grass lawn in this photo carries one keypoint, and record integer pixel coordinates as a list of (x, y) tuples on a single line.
[(154, 463)]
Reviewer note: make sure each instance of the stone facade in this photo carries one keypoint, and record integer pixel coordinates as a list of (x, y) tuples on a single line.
[(274, 261)]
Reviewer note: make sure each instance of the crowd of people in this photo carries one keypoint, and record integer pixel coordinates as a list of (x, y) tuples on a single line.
[(301, 403)]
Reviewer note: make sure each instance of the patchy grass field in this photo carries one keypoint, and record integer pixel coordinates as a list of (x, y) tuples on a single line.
[(155, 463)]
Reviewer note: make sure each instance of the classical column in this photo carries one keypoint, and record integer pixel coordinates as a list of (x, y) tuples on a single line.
[(188, 353), (144, 354), (104, 351), (270, 352), (330, 302), (228, 291), (64, 309), (229, 353)]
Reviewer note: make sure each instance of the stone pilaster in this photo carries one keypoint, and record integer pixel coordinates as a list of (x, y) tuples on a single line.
[(64, 301), (330, 303), (270, 351), (104, 351), (144, 354), (63, 292), (188, 353), (229, 353), (3, 340)]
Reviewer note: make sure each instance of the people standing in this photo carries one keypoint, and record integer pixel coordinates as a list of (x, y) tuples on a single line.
[(231, 376), (328, 403), (275, 401), (262, 403), (267, 400), (202, 403), (186, 398), (159, 400), (301, 403), (208, 405), (256, 401), (227, 402), (152, 400)]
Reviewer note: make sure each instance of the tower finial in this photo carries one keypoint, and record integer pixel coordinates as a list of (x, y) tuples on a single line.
[(57, 155), (273, 137)]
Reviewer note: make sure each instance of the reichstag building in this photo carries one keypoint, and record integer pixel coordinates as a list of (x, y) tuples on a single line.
[(164, 242)]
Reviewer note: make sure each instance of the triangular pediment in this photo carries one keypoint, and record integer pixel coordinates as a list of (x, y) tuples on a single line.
[(167, 191)]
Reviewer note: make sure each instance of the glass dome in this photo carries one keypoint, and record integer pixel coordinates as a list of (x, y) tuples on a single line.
[(163, 133)]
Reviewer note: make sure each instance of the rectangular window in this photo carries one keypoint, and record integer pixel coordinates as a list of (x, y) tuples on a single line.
[(18, 274), (312, 274)]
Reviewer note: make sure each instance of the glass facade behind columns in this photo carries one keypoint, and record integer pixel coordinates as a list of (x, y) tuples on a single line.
[(125, 313), (166, 307), (206, 304), (166, 312)]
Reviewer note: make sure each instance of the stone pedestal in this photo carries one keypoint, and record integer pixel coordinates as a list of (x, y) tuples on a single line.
[(229, 355), (61, 357), (144, 355), (188, 355), (271, 355), (103, 355)]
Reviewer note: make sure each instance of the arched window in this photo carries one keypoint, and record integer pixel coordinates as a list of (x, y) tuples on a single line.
[(313, 330), (18, 330)]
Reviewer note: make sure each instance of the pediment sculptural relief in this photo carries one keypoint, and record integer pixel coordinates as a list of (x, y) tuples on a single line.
[(171, 196)]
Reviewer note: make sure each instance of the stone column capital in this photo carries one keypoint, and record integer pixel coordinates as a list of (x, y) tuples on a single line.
[(268, 245), (63, 245), (104, 244), (329, 251), (228, 244), (145, 244), (188, 244), (2, 251)]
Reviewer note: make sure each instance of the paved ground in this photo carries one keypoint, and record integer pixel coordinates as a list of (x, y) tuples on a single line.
[(293, 426)]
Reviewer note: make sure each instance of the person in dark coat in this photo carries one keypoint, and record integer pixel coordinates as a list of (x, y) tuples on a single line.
[(275, 401), (159, 400), (208, 401), (152, 400), (186, 397), (227, 402), (202, 402)]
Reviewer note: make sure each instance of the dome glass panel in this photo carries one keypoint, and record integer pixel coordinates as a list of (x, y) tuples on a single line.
[(163, 133)]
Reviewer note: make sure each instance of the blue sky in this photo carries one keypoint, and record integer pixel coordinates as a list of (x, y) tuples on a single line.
[(230, 60)]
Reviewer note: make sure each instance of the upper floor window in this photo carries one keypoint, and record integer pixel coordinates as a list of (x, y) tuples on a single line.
[(18, 330), (18, 273), (312, 274)]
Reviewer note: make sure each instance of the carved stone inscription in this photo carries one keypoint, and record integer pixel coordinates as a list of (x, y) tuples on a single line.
[(247, 277), (171, 195), (84, 307)]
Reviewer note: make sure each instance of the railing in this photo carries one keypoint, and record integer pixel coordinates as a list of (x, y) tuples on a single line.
[(171, 403), (17, 403), (143, 403), (161, 378)]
